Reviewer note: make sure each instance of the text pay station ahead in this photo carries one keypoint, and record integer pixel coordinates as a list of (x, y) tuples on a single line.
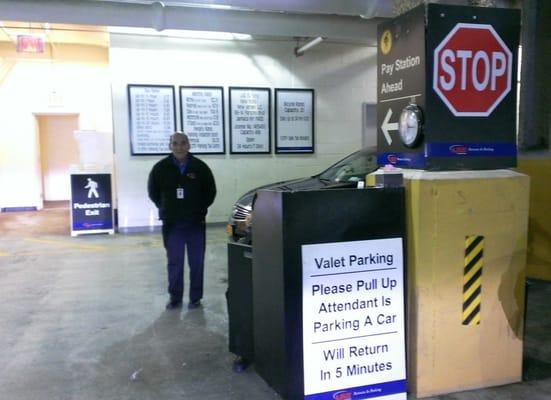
[(353, 320)]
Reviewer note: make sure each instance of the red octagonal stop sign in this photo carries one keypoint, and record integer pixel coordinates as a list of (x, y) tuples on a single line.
[(472, 70)]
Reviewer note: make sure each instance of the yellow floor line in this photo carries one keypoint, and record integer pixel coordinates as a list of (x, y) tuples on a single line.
[(49, 252), (2, 254), (68, 245)]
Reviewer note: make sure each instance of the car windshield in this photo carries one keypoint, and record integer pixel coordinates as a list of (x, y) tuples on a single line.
[(351, 169)]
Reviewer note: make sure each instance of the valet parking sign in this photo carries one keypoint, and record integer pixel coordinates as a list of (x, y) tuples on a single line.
[(353, 320)]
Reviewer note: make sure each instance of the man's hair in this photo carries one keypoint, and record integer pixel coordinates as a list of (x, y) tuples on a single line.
[(179, 133)]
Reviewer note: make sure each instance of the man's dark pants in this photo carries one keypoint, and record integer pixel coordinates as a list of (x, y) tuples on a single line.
[(177, 237)]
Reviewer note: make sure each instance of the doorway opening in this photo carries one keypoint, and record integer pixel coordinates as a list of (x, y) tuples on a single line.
[(58, 152)]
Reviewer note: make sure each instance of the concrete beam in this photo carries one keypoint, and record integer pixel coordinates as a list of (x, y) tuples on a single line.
[(158, 16)]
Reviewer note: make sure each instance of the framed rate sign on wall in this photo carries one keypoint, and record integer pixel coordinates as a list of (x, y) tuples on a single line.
[(152, 118), (294, 120), (202, 113), (250, 120)]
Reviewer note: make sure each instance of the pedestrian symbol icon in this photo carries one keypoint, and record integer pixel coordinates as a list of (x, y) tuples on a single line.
[(92, 187)]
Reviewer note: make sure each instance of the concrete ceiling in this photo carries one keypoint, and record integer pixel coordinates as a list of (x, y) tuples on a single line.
[(353, 21), (366, 8)]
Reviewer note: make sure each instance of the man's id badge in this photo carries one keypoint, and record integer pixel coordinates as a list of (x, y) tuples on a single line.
[(179, 193)]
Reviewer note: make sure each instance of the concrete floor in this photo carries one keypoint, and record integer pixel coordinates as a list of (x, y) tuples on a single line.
[(83, 318)]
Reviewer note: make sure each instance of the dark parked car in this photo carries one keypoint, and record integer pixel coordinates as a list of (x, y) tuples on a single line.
[(345, 173)]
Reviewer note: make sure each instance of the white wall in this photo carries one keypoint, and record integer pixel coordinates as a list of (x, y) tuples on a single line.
[(42, 87), (343, 76)]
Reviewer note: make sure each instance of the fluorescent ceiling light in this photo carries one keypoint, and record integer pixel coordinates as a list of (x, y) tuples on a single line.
[(209, 35), (308, 45)]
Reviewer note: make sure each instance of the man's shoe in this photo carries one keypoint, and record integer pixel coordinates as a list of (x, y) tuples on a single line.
[(240, 364), (194, 304), (172, 305)]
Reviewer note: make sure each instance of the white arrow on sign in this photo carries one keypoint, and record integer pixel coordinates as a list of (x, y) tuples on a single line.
[(388, 126)]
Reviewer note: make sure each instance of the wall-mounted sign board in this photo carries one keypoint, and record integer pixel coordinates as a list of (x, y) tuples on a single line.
[(152, 118), (250, 120), (294, 120), (202, 114)]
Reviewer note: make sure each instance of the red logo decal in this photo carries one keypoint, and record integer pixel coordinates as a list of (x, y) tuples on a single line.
[(459, 149), (342, 396)]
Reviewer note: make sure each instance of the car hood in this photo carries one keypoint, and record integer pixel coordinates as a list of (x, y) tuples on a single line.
[(310, 183)]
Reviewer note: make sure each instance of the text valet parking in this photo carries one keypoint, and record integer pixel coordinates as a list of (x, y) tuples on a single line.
[(446, 96), (353, 320)]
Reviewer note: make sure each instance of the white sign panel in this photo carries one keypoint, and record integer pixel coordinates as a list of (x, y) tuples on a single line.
[(203, 118), (353, 320), (250, 120), (152, 118), (294, 120)]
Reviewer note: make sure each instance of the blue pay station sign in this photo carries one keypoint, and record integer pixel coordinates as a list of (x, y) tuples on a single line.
[(353, 320)]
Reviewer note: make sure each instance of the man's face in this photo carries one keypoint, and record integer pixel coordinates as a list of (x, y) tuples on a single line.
[(179, 145)]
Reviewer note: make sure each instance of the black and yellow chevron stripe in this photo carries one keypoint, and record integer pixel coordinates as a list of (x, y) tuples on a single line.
[(472, 279)]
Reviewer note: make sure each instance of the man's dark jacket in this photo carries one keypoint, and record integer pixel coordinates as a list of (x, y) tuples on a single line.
[(197, 182)]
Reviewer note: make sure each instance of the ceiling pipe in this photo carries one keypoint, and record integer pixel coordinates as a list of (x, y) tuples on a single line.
[(158, 20), (161, 15)]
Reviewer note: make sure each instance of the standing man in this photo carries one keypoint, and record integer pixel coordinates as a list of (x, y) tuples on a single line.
[(182, 187)]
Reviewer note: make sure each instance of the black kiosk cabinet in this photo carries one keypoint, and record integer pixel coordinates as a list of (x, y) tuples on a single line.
[(328, 293), (240, 301)]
